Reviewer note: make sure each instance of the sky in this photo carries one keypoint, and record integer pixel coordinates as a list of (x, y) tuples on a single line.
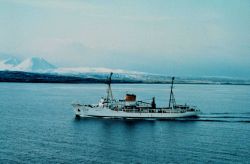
[(169, 37)]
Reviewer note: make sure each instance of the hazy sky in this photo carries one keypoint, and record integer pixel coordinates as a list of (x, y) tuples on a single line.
[(172, 37)]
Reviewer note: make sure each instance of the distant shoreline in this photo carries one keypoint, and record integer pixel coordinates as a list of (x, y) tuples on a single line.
[(30, 77), (115, 83)]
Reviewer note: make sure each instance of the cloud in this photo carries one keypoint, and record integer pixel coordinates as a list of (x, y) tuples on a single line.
[(149, 36), (148, 18), (58, 4)]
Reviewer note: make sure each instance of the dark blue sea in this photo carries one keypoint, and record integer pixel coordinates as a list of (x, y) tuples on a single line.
[(37, 125)]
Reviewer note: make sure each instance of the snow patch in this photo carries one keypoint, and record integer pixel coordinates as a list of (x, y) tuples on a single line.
[(93, 70)]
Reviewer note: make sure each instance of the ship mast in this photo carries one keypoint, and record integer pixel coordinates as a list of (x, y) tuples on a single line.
[(172, 102), (109, 90)]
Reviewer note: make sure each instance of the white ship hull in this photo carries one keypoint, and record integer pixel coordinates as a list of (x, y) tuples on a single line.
[(84, 111)]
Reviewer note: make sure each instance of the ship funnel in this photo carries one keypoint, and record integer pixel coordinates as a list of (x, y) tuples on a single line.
[(130, 97)]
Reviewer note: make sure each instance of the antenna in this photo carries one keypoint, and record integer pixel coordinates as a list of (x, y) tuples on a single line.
[(109, 90), (171, 98)]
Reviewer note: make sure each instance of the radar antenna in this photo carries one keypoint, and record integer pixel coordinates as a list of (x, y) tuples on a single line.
[(109, 90), (172, 102)]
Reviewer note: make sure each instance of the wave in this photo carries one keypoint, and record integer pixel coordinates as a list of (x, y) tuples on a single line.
[(247, 121), (212, 120), (240, 117), (227, 113), (225, 117)]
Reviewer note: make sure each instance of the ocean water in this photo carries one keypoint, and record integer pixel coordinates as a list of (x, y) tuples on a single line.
[(37, 125)]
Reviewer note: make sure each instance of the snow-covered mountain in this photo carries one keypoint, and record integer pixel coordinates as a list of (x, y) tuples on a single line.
[(96, 72), (44, 68), (76, 70), (9, 63), (40, 65), (12, 61), (103, 73), (35, 64)]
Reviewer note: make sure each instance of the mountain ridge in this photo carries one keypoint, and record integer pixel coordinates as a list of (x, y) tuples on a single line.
[(42, 68)]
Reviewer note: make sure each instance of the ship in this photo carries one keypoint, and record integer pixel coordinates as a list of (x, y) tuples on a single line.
[(130, 108)]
